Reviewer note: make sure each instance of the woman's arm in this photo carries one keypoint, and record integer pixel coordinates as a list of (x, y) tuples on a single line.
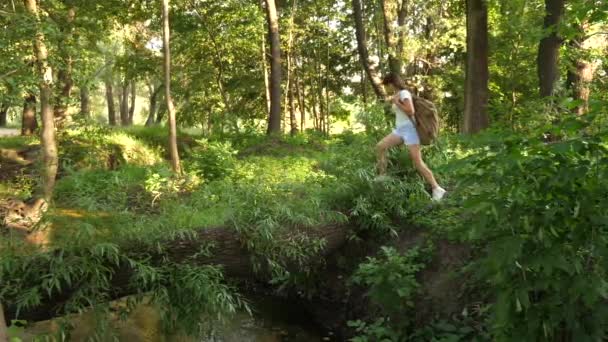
[(406, 105)]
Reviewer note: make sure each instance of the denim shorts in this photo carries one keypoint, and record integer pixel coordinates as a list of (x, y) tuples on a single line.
[(407, 132)]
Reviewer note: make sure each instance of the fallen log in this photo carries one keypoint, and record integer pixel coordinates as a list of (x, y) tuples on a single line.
[(226, 249)]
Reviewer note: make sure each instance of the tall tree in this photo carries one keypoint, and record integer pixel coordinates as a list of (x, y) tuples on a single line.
[(265, 67), (64, 74), (29, 124), (124, 104), (3, 114), (548, 49), (85, 101), (389, 13), (477, 73), (175, 164), (110, 103), (133, 95), (274, 120), (154, 92), (3, 330), (49, 146), (363, 52)]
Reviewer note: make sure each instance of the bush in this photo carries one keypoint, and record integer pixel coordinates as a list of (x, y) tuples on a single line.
[(211, 160), (539, 211)]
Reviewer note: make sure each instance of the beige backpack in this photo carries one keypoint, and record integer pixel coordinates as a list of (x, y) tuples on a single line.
[(427, 120)]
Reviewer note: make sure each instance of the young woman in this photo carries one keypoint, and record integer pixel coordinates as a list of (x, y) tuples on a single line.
[(405, 133)]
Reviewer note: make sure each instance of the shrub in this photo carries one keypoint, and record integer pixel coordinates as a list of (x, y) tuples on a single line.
[(211, 160), (539, 210)]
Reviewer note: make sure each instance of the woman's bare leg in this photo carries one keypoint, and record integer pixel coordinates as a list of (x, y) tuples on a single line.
[(421, 166), (387, 142)]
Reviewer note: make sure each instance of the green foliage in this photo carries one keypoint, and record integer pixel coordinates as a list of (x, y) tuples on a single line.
[(391, 278), (380, 330), (391, 282), (192, 298), (211, 160), (374, 119), (99, 147), (538, 210)]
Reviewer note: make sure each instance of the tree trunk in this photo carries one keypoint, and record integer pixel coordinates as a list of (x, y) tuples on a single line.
[(3, 115), (274, 120), (579, 81), (363, 53), (548, 49), (315, 115), (289, 87), (327, 98), (124, 104), (29, 123), (110, 101), (580, 72), (153, 104), (85, 101), (64, 74), (226, 250), (389, 11), (265, 67), (300, 97), (132, 104), (175, 164), (292, 112), (160, 114), (49, 146), (476, 82), (3, 330), (401, 23)]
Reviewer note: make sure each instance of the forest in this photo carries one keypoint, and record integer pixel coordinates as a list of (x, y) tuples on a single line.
[(199, 170)]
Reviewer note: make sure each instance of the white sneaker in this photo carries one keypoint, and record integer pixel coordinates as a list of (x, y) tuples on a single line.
[(438, 193)]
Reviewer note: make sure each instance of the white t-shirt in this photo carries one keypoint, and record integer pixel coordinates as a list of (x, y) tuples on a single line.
[(400, 117)]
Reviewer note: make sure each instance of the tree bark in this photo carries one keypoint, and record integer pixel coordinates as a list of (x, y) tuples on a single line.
[(124, 104), (315, 114), (175, 163), (580, 72), (29, 123), (3, 330), (265, 67), (579, 81), (49, 146), (64, 74), (363, 52), (389, 11), (226, 250), (85, 101), (110, 101), (300, 97), (290, 54), (160, 114), (133, 87), (3, 115), (153, 103), (401, 23), (274, 120), (548, 49), (477, 74), (292, 112)]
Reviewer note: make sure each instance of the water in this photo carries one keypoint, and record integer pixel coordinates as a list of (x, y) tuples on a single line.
[(273, 320)]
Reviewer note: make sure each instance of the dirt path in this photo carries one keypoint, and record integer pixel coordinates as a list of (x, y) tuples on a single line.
[(8, 132)]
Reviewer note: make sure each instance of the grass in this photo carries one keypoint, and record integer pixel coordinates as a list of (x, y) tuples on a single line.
[(18, 142)]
